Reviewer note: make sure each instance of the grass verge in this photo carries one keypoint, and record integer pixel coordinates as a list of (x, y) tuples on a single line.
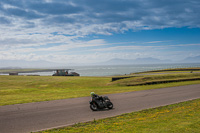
[(178, 118)]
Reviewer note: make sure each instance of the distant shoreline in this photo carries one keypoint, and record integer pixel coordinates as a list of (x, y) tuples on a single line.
[(27, 70), (115, 70)]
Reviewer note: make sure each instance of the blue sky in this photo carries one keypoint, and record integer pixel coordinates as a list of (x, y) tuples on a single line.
[(89, 31)]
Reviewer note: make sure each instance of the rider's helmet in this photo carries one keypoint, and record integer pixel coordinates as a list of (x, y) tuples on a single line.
[(92, 94)]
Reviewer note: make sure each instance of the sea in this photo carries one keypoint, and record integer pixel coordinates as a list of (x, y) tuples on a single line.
[(114, 70)]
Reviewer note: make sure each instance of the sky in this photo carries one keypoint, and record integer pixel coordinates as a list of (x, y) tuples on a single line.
[(91, 31)]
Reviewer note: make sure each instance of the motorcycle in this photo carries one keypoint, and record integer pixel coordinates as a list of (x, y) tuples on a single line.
[(100, 104)]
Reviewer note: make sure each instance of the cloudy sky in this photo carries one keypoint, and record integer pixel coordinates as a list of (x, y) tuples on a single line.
[(88, 31)]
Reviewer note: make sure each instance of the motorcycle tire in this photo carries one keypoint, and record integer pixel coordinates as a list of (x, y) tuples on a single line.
[(93, 107), (110, 105)]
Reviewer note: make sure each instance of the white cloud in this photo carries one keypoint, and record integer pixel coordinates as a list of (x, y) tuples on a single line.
[(52, 29), (99, 17), (157, 41), (121, 48), (64, 45)]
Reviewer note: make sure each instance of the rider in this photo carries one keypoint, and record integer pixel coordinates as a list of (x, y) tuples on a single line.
[(96, 97)]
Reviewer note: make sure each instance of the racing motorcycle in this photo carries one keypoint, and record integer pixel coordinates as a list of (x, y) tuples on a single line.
[(101, 103)]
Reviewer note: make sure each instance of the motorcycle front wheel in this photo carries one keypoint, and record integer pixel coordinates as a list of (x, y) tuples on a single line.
[(110, 105), (93, 107)]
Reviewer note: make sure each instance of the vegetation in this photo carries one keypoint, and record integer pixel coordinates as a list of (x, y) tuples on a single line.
[(178, 118), (155, 79), (173, 70), (26, 89)]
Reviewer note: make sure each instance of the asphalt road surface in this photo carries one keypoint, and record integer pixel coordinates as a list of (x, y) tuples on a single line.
[(23, 118)]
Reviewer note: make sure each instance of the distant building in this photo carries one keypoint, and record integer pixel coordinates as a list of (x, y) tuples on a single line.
[(13, 73), (64, 72)]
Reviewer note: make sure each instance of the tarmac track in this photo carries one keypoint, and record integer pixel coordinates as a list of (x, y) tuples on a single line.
[(23, 118)]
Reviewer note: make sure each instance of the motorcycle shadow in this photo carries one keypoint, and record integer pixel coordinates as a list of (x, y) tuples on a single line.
[(105, 109)]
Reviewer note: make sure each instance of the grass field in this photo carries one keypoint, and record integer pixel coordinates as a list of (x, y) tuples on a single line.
[(145, 79), (26, 89), (174, 70), (178, 118)]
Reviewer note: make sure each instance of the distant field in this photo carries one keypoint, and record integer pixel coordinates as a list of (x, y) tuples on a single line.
[(174, 70), (156, 79), (177, 118), (6, 71)]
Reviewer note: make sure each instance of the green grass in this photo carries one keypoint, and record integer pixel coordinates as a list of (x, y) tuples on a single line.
[(26, 89), (177, 118), (157, 72), (143, 79), (173, 70)]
